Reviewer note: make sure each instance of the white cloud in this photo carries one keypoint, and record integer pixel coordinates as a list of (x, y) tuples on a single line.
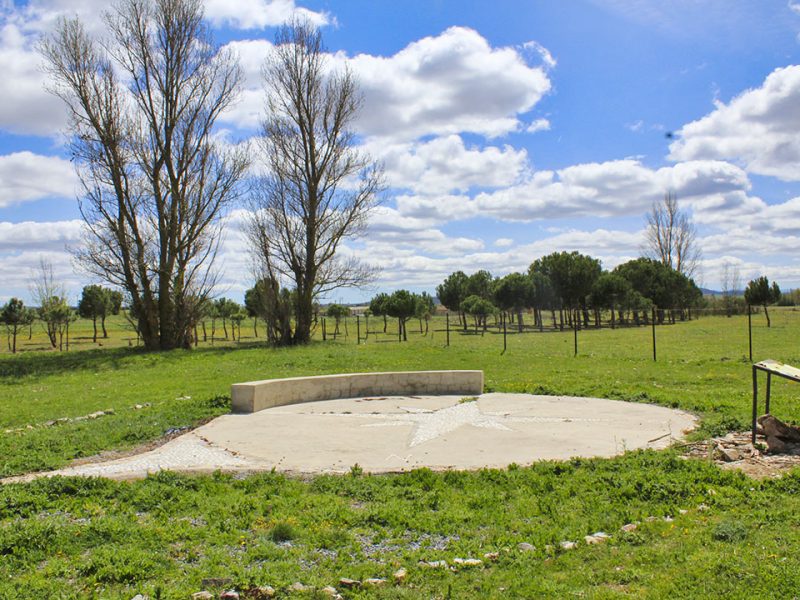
[(503, 242), (438, 209), (538, 125), (540, 51), (32, 235), (451, 83), (445, 164), (392, 233), (716, 191), (26, 106), (26, 177), (759, 129), (636, 126), (258, 14)]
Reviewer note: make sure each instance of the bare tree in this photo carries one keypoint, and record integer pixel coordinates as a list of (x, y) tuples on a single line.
[(155, 184), (50, 296), (731, 286), (320, 188), (672, 237)]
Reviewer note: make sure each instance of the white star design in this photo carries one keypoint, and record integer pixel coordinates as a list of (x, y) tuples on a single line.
[(432, 424)]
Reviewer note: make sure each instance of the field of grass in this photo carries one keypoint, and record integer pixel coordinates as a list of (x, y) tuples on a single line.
[(162, 536)]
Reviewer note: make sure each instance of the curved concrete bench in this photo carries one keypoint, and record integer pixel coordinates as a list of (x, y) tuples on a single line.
[(258, 395)]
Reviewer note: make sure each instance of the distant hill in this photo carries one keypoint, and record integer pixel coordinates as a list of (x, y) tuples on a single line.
[(708, 292)]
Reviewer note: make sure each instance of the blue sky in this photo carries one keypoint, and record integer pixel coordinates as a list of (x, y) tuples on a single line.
[(508, 129)]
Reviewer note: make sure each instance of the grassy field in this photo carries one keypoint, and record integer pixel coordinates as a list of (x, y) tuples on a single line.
[(162, 536)]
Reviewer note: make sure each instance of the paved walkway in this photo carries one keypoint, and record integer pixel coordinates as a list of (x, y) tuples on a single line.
[(400, 433)]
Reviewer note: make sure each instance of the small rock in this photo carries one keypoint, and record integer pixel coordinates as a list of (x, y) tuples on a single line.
[(668, 519), (526, 547), (264, 591), (204, 595), (349, 583), (329, 591), (467, 562), (491, 555), (730, 454), (229, 595), (140, 597), (400, 575), (702, 507), (433, 564), (651, 519), (567, 545), (216, 582), (629, 527), (683, 511), (596, 538), (298, 587), (373, 582)]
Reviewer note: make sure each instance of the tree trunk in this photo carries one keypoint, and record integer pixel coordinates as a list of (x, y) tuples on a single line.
[(255, 325), (304, 313), (103, 326), (520, 324), (205, 336), (94, 325), (766, 314)]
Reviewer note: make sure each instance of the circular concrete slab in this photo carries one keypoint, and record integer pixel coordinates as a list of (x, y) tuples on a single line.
[(401, 433)]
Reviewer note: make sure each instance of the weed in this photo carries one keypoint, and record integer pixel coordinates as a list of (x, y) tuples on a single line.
[(282, 531), (729, 531)]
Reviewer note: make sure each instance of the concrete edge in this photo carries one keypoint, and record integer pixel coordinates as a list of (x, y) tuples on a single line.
[(254, 396)]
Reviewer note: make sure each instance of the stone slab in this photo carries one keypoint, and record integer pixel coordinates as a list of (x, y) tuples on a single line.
[(398, 433), (254, 396)]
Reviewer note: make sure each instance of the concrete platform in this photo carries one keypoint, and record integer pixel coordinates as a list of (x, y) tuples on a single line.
[(401, 433)]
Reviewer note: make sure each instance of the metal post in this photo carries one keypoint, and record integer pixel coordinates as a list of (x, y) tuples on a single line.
[(755, 402), (448, 328), (654, 332), (575, 331), (505, 343), (358, 329), (750, 330), (399, 329), (769, 381)]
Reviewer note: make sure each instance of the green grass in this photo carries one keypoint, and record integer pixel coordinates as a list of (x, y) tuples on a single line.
[(76, 537)]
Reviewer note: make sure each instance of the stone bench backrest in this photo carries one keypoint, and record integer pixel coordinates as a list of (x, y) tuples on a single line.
[(258, 395)]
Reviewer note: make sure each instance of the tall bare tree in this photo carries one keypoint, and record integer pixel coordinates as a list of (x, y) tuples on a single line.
[(50, 296), (143, 104), (320, 188), (672, 237)]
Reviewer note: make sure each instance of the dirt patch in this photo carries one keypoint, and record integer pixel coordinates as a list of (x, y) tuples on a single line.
[(736, 451)]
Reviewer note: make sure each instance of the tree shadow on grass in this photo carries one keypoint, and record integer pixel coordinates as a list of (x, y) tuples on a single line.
[(97, 359)]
